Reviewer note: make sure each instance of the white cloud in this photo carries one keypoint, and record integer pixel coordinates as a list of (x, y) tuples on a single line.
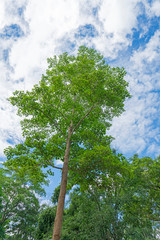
[(59, 162), (149, 54), (9, 122), (51, 25), (132, 130), (156, 8), (46, 202), (48, 23), (152, 8), (137, 129), (119, 16), (49, 28), (2, 14), (10, 131), (9, 13)]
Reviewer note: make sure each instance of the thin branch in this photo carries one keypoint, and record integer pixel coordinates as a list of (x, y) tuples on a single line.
[(75, 170), (57, 167), (58, 111), (84, 117), (152, 218), (52, 165)]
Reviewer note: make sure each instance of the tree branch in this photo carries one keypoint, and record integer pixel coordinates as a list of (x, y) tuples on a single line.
[(58, 110), (84, 117), (152, 218), (52, 165)]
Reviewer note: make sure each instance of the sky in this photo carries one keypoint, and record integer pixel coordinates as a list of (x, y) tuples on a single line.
[(126, 32)]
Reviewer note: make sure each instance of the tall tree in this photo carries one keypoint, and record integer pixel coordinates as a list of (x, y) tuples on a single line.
[(67, 113)]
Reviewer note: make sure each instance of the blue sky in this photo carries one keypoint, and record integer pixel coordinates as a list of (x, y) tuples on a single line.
[(126, 32)]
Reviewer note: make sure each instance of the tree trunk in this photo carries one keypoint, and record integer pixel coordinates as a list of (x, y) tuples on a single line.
[(60, 206)]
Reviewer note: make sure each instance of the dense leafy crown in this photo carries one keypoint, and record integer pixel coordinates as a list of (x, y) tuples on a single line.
[(80, 89)]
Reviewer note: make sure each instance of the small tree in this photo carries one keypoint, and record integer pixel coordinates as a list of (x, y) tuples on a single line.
[(19, 207), (66, 114), (1, 207)]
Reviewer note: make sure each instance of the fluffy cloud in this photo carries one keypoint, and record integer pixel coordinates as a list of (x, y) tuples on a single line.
[(37, 30), (119, 17), (48, 26), (147, 57), (155, 8), (10, 131), (152, 8), (10, 13), (137, 130), (53, 26)]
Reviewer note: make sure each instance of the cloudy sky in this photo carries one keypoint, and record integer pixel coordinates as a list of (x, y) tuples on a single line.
[(126, 32)]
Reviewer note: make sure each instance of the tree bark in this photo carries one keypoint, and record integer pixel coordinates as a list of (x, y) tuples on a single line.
[(60, 206)]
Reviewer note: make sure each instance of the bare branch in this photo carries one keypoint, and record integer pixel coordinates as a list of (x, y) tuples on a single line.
[(52, 165), (57, 167)]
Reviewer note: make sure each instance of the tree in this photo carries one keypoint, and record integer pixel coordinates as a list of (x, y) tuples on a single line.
[(66, 114), (19, 207), (1, 208)]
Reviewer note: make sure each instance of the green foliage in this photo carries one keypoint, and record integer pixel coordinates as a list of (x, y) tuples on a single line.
[(45, 223), (22, 161), (122, 204), (82, 89), (19, 207), (55, 195), (97, 166)]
